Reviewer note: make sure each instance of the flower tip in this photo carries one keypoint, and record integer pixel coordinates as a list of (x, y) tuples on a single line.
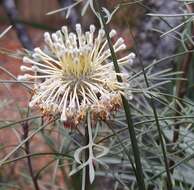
[(36, 55), (132, 55), (119, 42), (46, 35), (54, 37), (37, 49), (130, 62), (101, 33), (31, 104), (78, 26), (21, 77), (63, 117), (92, 28), (34, 68), (59, 35), (130, 97), (123, 46), (26, 59), (64, 30), (112, 33), (24, 68)]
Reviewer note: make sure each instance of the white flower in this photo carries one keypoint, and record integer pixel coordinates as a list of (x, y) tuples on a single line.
[(74, 73)]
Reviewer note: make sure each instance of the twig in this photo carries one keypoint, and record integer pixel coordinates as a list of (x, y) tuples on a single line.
[(25, 127), (87, 177), (134, 143), (74, 16), (181, 85), (10, 8), (24, 141)]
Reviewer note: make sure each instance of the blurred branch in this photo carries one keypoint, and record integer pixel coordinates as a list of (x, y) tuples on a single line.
[(11, 11), (25, 127)]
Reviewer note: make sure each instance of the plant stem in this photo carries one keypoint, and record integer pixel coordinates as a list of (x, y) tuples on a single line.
[(86, 156), (152, 103), (135, 148), (123, 146), (181, 86), (25, 127)]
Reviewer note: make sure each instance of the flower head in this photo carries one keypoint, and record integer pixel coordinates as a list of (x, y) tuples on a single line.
[(73, 73)]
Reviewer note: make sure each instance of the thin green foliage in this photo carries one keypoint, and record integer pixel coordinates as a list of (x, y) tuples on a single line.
[(164, 152), (139, 171)]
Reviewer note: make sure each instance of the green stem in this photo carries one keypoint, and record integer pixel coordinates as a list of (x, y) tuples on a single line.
[(135, 148), (87, 140), (83, 178), (169, 181)]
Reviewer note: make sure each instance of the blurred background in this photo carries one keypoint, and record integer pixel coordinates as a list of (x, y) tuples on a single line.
[(30, 21)]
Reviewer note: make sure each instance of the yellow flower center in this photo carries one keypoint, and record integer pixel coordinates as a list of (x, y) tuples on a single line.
[(76, 63)]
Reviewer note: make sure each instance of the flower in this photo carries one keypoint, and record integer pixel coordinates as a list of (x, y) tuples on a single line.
[(74, 73)]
